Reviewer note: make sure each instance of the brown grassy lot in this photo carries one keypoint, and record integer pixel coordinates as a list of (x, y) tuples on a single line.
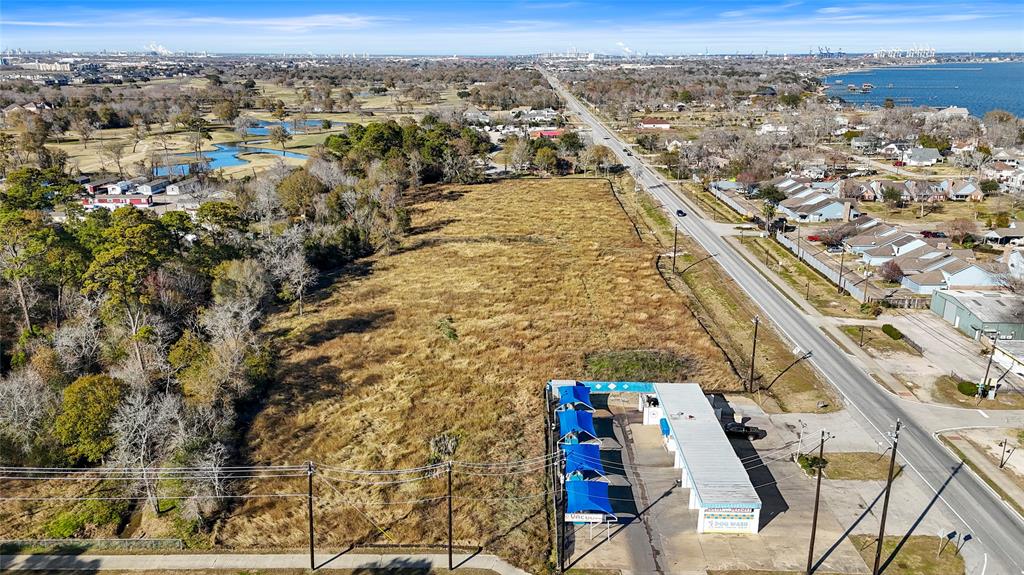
[(945, 390), (916, 557), (532, 276), (877, 341), (940, 213), (861, 466)]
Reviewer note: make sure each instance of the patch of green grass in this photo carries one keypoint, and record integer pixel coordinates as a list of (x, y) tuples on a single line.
[(637, 365)]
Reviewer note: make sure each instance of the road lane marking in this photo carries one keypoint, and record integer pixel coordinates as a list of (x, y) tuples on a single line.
[(983, 414)]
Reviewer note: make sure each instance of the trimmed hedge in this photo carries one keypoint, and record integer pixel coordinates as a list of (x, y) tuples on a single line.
[(891, 331)]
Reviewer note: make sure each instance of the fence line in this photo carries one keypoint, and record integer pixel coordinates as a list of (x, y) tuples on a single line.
[(731, 202), (822, 268)]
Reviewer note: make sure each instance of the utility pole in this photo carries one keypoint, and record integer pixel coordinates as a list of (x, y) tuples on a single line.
[(560, 513), (1004, 457), (819, 469), (451, 563), (991, 355), (309, 512), (675, 240), (862, 336), (753, 353), (885, 503)]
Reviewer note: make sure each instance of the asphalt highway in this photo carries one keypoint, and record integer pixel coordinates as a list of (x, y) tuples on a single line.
[(992, 524)]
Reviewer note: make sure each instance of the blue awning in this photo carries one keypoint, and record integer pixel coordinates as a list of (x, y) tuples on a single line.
[(583, 459), (577, 424), (587, 497), (574, 396), (664, 427)]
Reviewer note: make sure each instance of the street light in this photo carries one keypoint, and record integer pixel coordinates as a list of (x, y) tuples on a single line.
[(795, 361), (707, 257)]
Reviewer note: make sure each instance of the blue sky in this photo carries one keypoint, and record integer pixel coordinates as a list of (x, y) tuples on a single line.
[(511, 26)]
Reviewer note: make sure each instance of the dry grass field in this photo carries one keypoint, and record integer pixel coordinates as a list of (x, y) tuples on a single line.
[(498, 288)]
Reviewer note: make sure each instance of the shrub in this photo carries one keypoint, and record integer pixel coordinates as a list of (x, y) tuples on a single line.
[(811, 462), (968, 388), (89, 514), (446, 326), (891, 331), (873, 309)]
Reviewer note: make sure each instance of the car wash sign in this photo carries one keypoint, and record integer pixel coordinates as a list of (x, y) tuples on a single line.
[(729, 520), (584, 517)]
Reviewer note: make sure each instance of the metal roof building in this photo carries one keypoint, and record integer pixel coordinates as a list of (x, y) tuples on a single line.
[(719, 484)]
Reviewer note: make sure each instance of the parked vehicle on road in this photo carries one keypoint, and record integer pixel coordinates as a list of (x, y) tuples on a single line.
[(814, 238), (751, 433)]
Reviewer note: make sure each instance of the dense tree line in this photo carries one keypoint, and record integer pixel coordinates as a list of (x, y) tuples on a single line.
[(132, 340)]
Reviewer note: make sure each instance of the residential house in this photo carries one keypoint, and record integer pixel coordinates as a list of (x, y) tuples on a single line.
[(114, 201), (962, 190), (865, 143), (1003, 236), (813, 206), (954, 273), (894, 150), (94, 186), (959, 147), (772, 129), (879, 234), (921, 157), (999, 171), (900, 245), (475, 115), (152, 187), (654, 124), (120, 187), (186, 186)]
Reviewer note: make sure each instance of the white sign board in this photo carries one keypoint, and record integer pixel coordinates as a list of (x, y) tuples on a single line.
[(584, 517)]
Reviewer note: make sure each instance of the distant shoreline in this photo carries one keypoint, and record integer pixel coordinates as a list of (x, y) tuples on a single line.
[(852, 70)]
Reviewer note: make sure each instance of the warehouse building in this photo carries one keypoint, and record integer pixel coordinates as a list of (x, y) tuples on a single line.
[(995, 314)]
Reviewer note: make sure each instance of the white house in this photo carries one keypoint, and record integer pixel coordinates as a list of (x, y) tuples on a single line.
[(921, 157), (152, 187), (182, 187)]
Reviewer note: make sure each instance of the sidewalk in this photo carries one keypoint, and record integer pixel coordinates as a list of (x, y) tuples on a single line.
[(229, 561), (987, 467)]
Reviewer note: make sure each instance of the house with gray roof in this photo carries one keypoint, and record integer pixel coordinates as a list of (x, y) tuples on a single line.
[(921, 157)]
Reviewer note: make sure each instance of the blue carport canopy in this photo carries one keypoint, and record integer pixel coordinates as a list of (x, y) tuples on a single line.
[(577, 424), (664, 427), (583, 459), (588, 497), (574, 397)]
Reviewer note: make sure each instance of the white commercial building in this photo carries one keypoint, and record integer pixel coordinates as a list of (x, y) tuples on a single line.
[(719, 485)]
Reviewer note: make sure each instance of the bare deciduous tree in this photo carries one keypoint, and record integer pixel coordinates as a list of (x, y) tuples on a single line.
[(146, 428), (25, 400)]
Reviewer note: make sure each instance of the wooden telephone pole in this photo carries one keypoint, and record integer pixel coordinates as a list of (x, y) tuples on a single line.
[(820, 469), (885, 503)]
